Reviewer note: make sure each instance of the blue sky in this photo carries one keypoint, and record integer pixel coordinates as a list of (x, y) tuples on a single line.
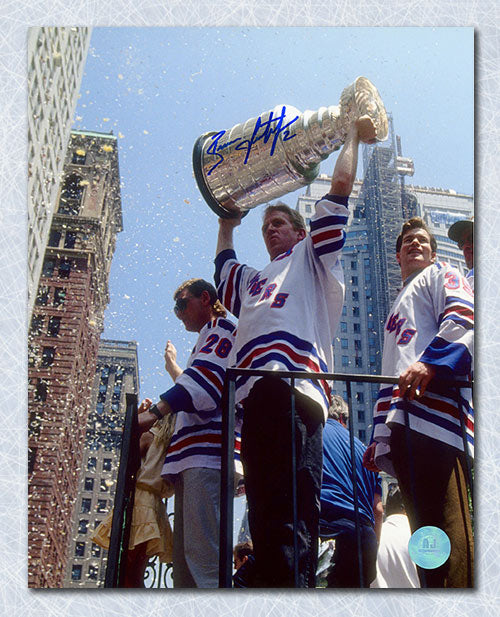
[(158, 89)]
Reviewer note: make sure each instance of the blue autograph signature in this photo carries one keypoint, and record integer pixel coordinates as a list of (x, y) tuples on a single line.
[(279, 127)]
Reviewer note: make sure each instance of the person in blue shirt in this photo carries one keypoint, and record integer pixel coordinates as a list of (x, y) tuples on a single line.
[(337, 519)]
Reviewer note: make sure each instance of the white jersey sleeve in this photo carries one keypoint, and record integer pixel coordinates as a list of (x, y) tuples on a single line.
[(203, 379)]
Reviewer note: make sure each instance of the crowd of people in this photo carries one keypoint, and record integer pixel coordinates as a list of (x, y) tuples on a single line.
[(287, 316)]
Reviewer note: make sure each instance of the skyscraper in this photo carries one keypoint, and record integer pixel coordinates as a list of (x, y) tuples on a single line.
[(63, 342), (56, 60), (117, 373)]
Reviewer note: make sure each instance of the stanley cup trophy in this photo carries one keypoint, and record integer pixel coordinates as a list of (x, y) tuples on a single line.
[(280, 151)]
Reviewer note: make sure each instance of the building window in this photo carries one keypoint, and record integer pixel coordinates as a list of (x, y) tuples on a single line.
[(42, 296), (360, 397), (104, 486), (355, 311), (80, 549), (59, 296), (343, 326), (71, 195), (37, 325), (48, 354), (79, 157), (54, 238), (76, 572), (362, 435), (344, 343), (83, 525), (357, 344), (354, 280), (34, 424), (361, 415), (85, 507), (32, 354), (356, 327), (344, 310), (64, 268), (102, 506), (99, 408), (354, 265), (91, 463), (106, 464), (31, 459), (41, 391), (89, 484), (69, 240), (96, 550), (48, 267), (53, 326), (93, 570), (355, 296), (358, 362), (345, 361)]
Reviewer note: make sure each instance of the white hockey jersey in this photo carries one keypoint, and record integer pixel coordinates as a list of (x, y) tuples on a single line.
[(289, 312), (432, 320), (196, 400)]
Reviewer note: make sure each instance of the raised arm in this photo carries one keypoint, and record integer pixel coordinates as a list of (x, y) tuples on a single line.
[(344, 173), (226, 232), (171, 366)]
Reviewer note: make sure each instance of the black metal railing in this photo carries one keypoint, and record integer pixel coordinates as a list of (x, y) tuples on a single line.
[(227, 456), (130, 461)]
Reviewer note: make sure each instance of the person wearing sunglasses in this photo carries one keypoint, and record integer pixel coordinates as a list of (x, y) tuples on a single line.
[(192, 462)]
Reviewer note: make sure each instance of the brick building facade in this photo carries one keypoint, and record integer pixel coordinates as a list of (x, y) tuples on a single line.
[(63, 340)]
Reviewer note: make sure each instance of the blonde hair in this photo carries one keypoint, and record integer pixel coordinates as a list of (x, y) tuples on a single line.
[(296, 219), (197, 287)]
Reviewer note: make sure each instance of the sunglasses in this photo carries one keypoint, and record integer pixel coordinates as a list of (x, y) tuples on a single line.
[(181, 305)]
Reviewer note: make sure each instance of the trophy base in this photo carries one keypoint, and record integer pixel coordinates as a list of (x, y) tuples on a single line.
[(223, 213)]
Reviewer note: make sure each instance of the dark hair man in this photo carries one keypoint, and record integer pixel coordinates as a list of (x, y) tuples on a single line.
[(462, 232), (244, 564), (288, 314), (192, 462), (428, 340)]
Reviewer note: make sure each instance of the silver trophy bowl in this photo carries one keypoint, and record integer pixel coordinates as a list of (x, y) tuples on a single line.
[(280, 151)]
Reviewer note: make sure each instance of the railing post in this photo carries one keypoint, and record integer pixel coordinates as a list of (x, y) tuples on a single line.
[(124, 496), (463, 427), (355, 484), (227, 482), (294, 488), (421, 571)]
